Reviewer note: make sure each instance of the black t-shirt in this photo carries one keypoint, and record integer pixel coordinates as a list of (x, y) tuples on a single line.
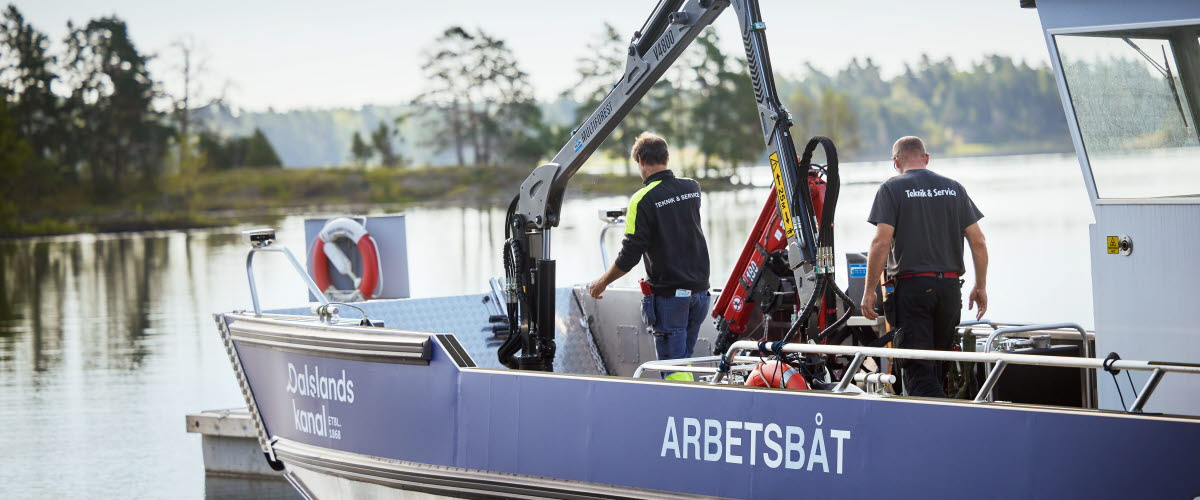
[(663, 224), (929, 212)]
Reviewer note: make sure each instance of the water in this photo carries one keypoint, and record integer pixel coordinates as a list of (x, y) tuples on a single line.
[(107, 341)]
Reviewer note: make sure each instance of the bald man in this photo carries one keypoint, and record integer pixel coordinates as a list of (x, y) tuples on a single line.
[(921, 219)]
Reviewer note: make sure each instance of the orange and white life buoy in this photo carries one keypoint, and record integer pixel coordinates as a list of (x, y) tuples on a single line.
[(370, 282)]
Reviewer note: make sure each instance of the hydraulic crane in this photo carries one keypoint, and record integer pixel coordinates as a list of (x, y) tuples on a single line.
[(534, 212)]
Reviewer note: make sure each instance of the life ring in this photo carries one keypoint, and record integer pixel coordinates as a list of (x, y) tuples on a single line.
[(341, 227)]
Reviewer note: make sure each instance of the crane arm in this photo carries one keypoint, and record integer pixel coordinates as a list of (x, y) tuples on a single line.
[(670, 29)]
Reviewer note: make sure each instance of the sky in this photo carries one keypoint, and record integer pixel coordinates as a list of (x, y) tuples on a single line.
[(323, 54)]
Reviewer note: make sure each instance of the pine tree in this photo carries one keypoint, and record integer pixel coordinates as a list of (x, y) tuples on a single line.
[(480, 97), (360, 150), (381, 140), (119, 134), (14, 152), (259, 152)]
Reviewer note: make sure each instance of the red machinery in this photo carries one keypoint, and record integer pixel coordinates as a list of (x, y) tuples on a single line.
[(760, 272)]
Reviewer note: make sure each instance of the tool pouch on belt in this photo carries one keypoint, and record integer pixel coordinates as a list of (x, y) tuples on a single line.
[(647, 304)]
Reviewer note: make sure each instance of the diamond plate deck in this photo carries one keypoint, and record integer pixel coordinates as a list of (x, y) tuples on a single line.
[(466, 316)]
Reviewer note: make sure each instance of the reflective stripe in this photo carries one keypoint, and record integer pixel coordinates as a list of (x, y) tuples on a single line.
[(631, 213), (684, 376)]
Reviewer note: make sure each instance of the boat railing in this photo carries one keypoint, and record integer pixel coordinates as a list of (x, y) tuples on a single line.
[(611, 218), (998, 360), (262, 240), (744, 364), (740, 364), (1003, 328)]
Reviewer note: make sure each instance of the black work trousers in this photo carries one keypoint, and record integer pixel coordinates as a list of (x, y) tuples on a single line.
[(927, 309)]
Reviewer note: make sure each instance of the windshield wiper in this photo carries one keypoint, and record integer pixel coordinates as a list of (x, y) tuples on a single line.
[(1166, 72)]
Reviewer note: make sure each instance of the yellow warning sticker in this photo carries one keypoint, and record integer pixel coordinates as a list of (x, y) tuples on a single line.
[(1114, 245), (784, 211)]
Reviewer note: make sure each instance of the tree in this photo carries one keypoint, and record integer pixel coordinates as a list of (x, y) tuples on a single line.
[(258, 152), (360, 150), (14, 152), (838, 119), (254, 150), (723, 120), (482, 97), (599, 71), (26, 78), (212, 147), (662, 109), (191, 67), (381, 141), (121, 137)]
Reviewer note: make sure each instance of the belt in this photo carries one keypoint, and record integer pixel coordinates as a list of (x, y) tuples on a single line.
[(927, 275), (922, 275)]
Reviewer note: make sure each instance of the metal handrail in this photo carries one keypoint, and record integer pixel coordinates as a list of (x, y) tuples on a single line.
[(610, 218), (1083, 349), (603, 248), (750, 362), (681, 365), (966, 326), (1001, 360), (988, 322), (267, 247)]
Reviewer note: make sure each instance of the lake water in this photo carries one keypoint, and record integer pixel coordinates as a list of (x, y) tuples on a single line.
[(107, 341)]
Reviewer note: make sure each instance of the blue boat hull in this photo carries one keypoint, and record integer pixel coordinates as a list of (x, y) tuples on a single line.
[(630, 437)]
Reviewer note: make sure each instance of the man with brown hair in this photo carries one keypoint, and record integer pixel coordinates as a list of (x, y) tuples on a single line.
[(663, 224), (921, 219)]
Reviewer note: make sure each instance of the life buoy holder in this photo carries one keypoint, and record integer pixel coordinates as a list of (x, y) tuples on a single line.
[(341, 227)]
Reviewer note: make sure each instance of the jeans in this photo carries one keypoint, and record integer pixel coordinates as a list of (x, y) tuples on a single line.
[(677, 324), (927, 310)]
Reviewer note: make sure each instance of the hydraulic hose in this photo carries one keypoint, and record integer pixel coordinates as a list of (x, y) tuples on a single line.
[(845, 316), (802, 319), (512, 256), (833, 182), (825, 237)]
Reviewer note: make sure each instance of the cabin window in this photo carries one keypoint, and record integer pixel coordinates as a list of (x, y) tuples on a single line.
[(1134, 107)]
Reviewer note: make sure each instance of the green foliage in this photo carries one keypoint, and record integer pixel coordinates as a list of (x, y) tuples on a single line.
[(250, 151), (993, 103), (1124, 87), (361, 150), (599, 71), (118, 135), (482, 100), (101, 145), (382, 141), (26, 77), (14, 152), (192, 162), (723, 121), (258, 151)]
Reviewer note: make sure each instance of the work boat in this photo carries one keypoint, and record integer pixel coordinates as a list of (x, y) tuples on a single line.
[(409, 398)]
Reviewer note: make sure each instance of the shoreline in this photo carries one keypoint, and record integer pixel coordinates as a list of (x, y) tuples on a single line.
[(235, 197), (238, 196)]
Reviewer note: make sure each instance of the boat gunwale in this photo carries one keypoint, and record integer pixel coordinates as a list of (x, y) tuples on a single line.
[(464, 363)]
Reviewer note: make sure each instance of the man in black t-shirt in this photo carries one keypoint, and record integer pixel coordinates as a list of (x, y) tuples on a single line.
[(921, 219)]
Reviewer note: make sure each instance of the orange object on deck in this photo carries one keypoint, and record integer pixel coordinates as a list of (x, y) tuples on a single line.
[(771, 373)]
